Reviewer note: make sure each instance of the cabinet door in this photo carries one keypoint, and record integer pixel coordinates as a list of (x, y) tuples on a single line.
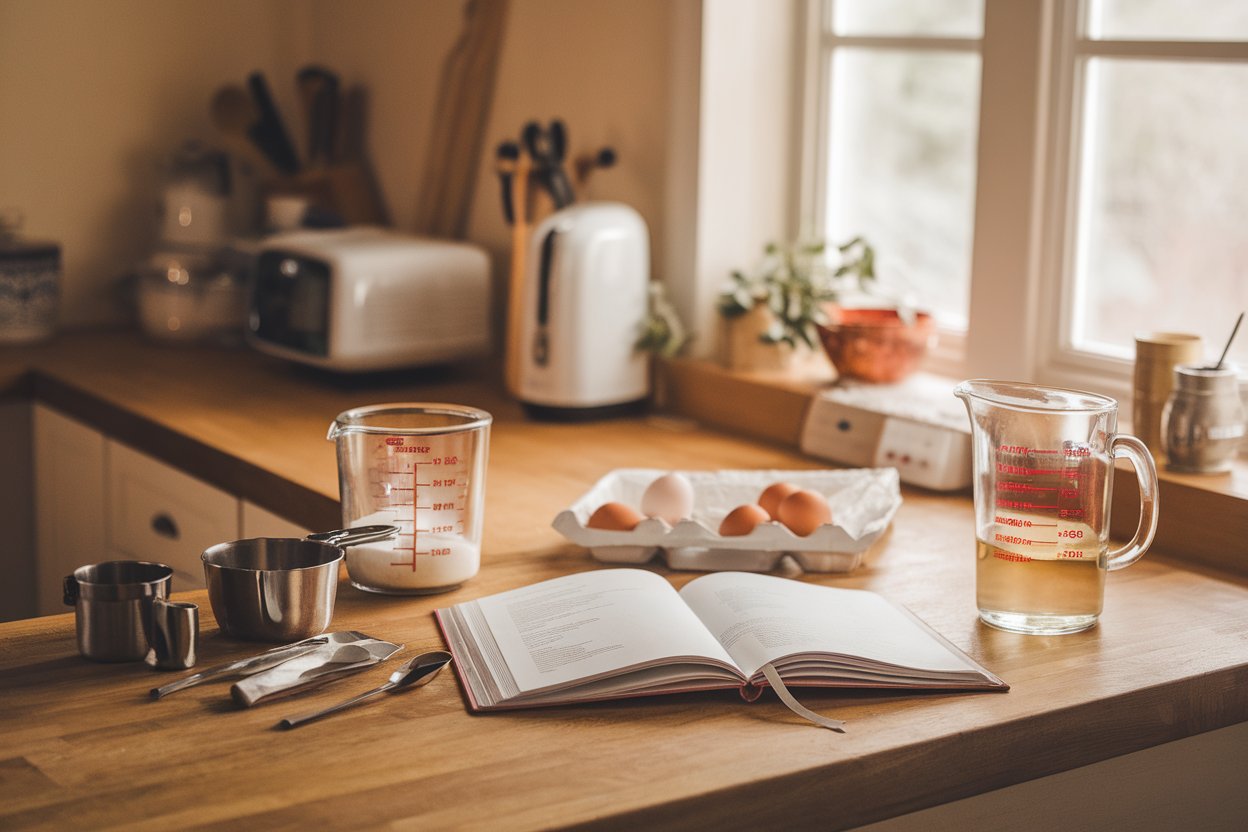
[(258, 522), (158, 513), (69, 502)]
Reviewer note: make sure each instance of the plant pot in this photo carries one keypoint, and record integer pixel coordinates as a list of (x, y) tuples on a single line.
[(741, 348), (875, 345)]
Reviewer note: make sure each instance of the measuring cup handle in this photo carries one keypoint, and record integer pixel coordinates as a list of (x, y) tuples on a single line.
[(1133, 449)]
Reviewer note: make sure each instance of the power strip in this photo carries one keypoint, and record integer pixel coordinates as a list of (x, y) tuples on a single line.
[(917, 427)]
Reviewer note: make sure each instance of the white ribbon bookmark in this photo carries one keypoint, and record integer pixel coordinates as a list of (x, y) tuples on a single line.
[(797, 707)]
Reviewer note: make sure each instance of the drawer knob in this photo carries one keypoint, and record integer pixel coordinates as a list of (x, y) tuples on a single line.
[(165, 526)]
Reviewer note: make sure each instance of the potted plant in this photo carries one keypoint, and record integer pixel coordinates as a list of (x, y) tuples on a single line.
[(797, 300)]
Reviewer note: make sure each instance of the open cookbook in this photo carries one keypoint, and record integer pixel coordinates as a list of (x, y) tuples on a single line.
[(616, 633)]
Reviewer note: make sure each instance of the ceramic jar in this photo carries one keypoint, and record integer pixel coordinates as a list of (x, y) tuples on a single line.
[(30, 286)]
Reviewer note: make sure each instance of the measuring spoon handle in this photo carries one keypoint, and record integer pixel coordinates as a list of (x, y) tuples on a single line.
[(357, 534), (295, 721)]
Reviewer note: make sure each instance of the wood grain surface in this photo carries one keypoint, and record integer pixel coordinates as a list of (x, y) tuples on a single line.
[(81, 746)]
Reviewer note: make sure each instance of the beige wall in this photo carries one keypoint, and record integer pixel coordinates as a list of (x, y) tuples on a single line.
[(94, 94)]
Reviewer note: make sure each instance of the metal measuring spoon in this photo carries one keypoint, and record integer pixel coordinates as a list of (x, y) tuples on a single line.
[(412, 674)]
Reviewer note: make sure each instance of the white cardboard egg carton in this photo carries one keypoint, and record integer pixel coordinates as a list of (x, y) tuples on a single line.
[(863, 502)]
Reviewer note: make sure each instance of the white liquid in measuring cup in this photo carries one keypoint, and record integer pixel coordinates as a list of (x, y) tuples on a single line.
[(428, 563)]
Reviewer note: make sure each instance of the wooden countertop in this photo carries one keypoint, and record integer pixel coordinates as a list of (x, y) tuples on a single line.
[(80, 745)]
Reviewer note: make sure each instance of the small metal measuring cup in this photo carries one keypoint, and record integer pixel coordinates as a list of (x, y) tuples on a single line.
[(113, 604), (280, 588)]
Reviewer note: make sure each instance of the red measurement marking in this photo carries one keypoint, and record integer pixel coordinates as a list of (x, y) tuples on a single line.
[(1024, 471), (1021, 541), (1023, 504), (1023, 450), (1022, 486), (1010, 556)]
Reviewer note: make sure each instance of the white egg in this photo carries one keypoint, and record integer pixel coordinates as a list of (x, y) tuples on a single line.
[(669, 497)]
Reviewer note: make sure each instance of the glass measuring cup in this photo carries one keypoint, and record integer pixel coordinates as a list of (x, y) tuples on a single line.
[(1043, 477), (420, 467)]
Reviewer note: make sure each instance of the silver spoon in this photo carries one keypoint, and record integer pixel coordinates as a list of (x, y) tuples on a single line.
[(412, 674)]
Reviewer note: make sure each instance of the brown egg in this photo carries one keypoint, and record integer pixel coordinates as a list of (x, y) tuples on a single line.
[(742, 520), (614, 517), (804, 511), (772, 496)]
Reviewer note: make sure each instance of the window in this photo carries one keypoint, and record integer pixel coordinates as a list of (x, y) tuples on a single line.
[(1113, 132), (896, 146)]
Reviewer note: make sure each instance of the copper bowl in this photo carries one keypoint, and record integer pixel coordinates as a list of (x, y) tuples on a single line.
[(875, 344)]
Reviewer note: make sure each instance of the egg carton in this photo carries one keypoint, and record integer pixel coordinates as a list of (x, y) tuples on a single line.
[(863, 502)]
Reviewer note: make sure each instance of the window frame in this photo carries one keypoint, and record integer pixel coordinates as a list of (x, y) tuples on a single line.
[(1026, 233), (819, 46)]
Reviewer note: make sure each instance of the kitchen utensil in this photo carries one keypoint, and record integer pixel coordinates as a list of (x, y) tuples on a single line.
[(30, 282), (521, 230), (414, 673), (585, 165), (460, 115), (1202, 423), (585, 297), (370, 299), (318, 91), (548, 147), (233, 113), (112, 604), (506, 155), (174, 635), (242, 667), (311, 670), (268, 132), (1156, 356), (421, 467), (276, 588), (255, 664), (1229, 341), (1043, 462)]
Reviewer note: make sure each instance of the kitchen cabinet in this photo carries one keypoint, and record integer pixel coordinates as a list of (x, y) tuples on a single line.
[(159, 513), (99, 499), (257, 522), (69, 502), (17, 511)]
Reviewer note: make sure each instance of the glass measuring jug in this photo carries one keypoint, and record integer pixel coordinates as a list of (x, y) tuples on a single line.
[(420, 467), (1043, 477)]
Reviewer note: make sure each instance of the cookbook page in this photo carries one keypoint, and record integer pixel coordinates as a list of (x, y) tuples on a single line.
[(593, 623), (762, 618)]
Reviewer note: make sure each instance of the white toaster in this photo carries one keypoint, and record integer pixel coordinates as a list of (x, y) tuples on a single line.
[(362, 299), (585, 299)]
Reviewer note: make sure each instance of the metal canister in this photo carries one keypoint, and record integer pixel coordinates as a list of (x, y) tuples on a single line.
[(112, 604), (1203, 421)]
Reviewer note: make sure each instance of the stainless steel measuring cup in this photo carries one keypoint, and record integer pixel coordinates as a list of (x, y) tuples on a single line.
[(112, 604), (280, 588), (422, 468), (1043, 476)]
